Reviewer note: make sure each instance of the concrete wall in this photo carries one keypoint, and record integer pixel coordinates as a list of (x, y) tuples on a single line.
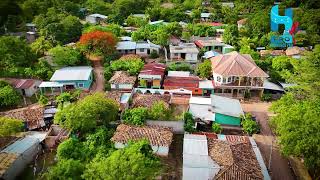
[(177, 126), (193, 58), (227, 120)]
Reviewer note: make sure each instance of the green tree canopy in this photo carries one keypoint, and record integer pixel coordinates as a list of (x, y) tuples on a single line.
[(65, 56), (65, 169), (131, 64), (8, 95), (231, 34), (135, 116), (85, 114), (204, 69), (10, 126), (159, 111), (135, 161)]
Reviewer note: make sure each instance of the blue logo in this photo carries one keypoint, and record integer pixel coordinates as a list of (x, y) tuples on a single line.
[(287, 38)]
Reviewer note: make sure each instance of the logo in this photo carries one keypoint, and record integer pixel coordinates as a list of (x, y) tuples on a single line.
[(290, 28)]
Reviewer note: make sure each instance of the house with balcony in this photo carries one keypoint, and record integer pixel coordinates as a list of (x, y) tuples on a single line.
[(151, 76), (184, 52), (235, 73)]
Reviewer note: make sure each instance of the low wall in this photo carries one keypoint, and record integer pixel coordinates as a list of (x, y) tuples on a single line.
[(177, 126)]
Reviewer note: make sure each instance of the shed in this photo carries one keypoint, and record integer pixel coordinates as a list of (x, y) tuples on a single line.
[(121, 80), (160, 138), (197, 164), (27, 87), (95, 18), (15, 157)]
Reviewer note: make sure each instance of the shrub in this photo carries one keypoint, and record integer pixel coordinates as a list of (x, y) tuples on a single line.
[(159, 111), (179, 67), (266, 97), (8, 96), (250, 126), (154, 54), (43, 100), (216, 128), (135, 116), (189, 122), (132, 65)]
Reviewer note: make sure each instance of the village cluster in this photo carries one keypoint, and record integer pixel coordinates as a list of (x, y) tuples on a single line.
[(190, 88)]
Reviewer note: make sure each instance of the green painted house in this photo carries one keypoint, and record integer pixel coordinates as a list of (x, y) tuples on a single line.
[(222, 110)]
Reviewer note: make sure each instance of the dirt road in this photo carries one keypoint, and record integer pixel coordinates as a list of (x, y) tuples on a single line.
[(279, 166), (98, 85)]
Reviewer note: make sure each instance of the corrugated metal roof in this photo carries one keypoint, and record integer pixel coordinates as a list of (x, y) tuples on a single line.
[(179, 73), (205, 15), (98, 16), (72, 73), (195, 144), (226, 106), (272, 86), (50, 84), (206, 84), (126, 45)]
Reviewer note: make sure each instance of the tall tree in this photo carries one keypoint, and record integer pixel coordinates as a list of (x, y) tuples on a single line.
[(65, 56), (231, 35), (10, 126)]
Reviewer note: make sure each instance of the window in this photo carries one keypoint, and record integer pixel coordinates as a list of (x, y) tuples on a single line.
[(176, 54), (218, 78), (141, 50), (229, 79), (224, 80), (196, 90), (81, 85)]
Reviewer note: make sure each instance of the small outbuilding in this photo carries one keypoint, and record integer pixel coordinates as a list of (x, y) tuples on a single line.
[(160, 138), (27, 87), (96, 18), (121, 80)]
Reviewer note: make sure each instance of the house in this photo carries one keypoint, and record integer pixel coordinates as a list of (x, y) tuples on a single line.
[(210, 54), (121, 98), (32, 117), (183, 80), (213, 44), (147, 100), (197, 164), (205, 17), (121, 80), (222, 157), (69, 78), (151, 76), (235, 74), (96, 18), (242, 22), (184, 52), (274, 89), (18, 155), (295, 52), (218, 109), (127, 46), (160, 138), (26, 87)]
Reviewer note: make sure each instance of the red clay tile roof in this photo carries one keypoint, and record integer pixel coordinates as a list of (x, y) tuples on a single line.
[(147, 100), (122, 77), (21, 83), (153, 69), (156, 135), (236, 64), (242, 21), (182, 82)]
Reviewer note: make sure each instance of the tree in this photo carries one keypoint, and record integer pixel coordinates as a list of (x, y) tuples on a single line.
[(65, 169), (99, 6), (250, 126), (159, 111), (231, 35), (135, 161), (62, 98), (42, 69), (14, 55), (128, 63), (41, 45), (8, 95), (87, 113), (98, 43), (65, 56), (136, 21), (135, 116), (216, 128), (99, 141), (72, 149), (204, 70), (115, 29), (179, 67), (10, 126)]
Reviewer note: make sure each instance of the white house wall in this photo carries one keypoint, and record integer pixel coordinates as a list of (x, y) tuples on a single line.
[(192, 57)]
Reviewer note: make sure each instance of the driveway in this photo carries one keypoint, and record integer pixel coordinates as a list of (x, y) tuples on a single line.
[(279, 168), (98, 85)]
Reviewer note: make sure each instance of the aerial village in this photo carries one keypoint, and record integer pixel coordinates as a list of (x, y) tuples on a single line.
[(159, 89)]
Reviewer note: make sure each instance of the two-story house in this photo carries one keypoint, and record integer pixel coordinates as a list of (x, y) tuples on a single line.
[(235, 73), (184, 52)]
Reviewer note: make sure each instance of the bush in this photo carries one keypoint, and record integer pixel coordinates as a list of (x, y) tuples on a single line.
[(132, 65), (189, 122), (179, 67), (8, 96), (216, 128), (107, 86), (135, 116), (250, 126), (266, 97), (10, 126), (43, 100), (159, 111), (154, 54)]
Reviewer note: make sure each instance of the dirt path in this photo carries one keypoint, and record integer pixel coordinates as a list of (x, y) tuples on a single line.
[(98, 85), (279, 166)]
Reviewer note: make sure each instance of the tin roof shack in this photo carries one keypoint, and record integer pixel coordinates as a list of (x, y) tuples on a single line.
[(197, 163), (222, 110), (151, 76), (295, 52), (26, 87), (213, 44), (96, 18), (122, 98), (55, 136), (144, 48), (121, 80), (15, 157), (160, 138), (184, 52), (32, 116)]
